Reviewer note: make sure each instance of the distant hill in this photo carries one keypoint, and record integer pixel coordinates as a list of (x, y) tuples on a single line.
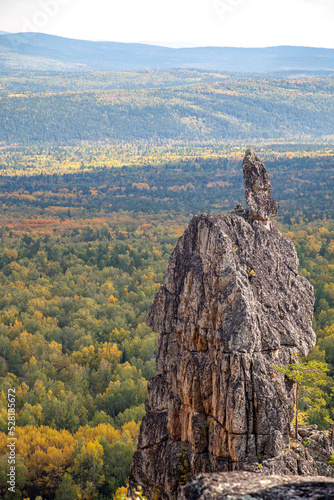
[(165, 105), (36, 51)]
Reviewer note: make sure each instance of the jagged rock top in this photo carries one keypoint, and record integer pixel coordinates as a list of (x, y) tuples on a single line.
[(260, 203)]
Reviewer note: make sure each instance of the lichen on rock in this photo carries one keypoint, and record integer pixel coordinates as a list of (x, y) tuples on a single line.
[(231, 307)]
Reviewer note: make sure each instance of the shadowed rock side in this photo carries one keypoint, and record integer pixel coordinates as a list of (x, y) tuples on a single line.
[(232, 305)]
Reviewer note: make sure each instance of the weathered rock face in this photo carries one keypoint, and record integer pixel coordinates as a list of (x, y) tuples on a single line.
[(232, 306)]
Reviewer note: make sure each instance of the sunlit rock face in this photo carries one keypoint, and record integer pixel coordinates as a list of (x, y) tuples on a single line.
[(231, 307)]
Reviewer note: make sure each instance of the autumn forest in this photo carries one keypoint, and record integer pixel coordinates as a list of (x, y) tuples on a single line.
[(99, 176)]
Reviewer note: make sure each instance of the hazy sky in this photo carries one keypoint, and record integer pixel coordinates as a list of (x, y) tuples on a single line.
[(242, 23)]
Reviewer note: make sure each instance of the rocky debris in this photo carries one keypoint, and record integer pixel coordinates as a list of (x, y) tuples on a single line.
[(239, 208), (260, 203), (248, 486), (231, 307), (306, 430)]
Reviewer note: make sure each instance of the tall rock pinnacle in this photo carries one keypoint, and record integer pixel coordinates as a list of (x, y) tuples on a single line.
[(260, 203), (231, 307)]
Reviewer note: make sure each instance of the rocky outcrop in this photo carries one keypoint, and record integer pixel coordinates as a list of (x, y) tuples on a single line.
[(231, 307), (248, 486)]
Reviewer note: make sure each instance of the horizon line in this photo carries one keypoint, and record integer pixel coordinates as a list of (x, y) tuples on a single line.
[(161, 44)]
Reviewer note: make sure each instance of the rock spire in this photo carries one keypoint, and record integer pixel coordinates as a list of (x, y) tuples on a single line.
[(231, 307), (260, 203)]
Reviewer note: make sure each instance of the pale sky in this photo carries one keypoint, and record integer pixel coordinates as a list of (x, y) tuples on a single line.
[(238, 23)]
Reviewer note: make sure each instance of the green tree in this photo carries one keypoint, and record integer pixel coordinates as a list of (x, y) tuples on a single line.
[(116, 468), (311, 379), (67, 490)]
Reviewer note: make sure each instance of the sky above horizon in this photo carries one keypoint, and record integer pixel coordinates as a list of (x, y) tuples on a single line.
[(175, 23)]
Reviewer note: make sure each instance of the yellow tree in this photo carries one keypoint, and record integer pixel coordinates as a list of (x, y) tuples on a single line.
[(87, 468)]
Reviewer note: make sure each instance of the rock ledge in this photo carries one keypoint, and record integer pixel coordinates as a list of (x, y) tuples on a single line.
[(248, 486)]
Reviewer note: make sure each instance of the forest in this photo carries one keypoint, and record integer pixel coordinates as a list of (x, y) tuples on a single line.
[(81, 257), (165, 106), (86, 230)]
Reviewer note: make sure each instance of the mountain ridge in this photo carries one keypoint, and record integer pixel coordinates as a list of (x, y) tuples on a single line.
[(49, 52)]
